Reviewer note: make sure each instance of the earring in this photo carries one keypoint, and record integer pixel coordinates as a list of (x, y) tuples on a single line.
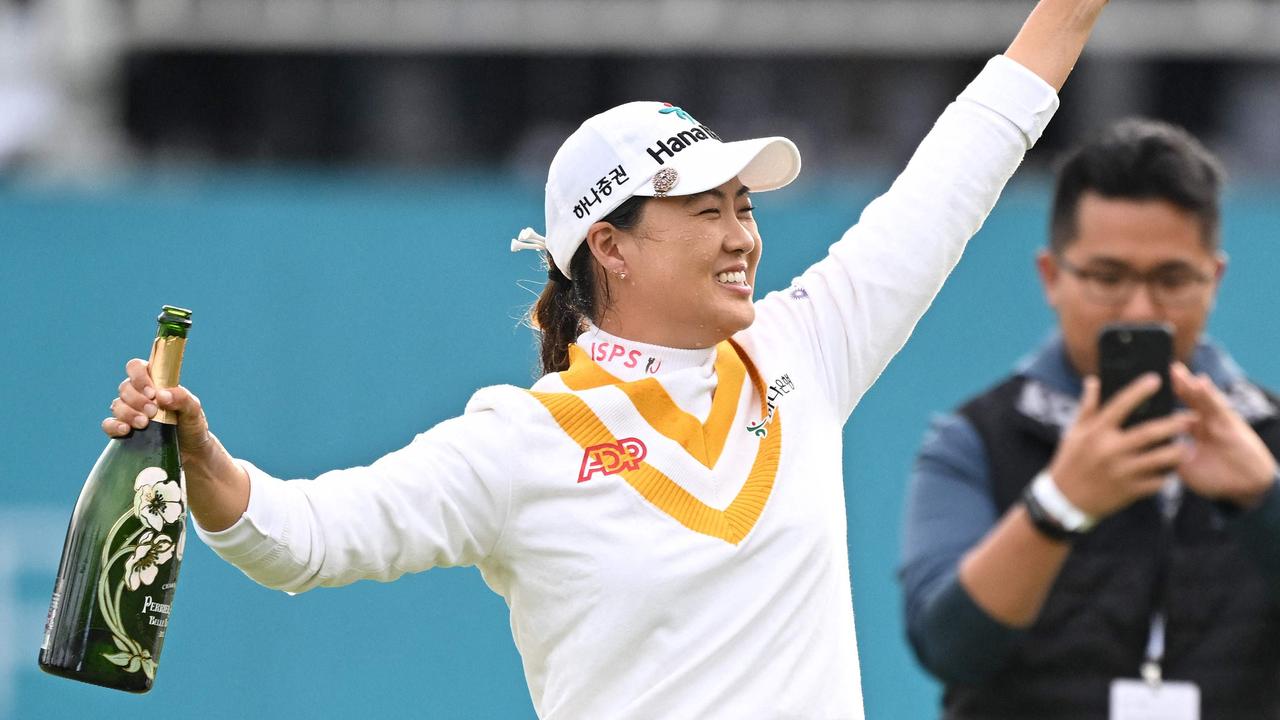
[(622, 274)]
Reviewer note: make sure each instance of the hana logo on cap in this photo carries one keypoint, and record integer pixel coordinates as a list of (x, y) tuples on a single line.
[(631, 150), (668, 108)]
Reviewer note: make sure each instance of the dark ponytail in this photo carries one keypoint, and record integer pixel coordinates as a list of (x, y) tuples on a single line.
[(562, 307), (562, 310)]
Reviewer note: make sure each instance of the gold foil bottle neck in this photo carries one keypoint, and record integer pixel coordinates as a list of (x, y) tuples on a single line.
[(165, 367)]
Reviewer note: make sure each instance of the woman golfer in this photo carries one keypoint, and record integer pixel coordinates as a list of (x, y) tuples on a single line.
[(663, 511)]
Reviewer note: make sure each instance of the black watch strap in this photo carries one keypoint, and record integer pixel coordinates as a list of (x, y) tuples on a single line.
[(1043, 522)]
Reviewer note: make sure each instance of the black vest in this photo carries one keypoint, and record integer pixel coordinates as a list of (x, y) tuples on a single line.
[(1223, 621)]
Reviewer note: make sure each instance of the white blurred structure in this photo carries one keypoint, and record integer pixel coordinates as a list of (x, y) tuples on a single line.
[(62, 96), (59, 62), (29, 94)]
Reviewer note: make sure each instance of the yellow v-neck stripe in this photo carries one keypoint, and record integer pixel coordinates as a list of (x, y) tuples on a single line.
[(733, 523), (704, 442)]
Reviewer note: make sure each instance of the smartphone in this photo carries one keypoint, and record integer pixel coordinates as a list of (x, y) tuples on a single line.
[(1128, 350)]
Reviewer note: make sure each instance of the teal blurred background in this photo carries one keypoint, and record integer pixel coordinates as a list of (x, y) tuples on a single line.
[(337, 315)]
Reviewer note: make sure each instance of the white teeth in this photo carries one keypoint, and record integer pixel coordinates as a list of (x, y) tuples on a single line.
[(739, 277)]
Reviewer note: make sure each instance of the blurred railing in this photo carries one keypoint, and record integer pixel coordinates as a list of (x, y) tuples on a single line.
[(1178, 28), (69, 70)]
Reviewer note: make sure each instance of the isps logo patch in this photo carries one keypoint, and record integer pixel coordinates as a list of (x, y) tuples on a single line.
[(612, 458)]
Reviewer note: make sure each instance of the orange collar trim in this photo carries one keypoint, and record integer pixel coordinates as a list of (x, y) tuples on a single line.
[(704, 442), (582, 424)]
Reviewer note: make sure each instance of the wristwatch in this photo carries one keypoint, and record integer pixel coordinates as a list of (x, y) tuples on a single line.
[(1052, 513)]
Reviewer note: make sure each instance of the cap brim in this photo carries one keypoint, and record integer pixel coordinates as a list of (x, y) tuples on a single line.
[(761, 164)]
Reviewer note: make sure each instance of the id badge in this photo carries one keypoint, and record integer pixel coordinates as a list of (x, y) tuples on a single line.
[(1168, 700)]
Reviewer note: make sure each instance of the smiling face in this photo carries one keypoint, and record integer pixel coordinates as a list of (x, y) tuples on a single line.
[(1118, 237), (690, 267)]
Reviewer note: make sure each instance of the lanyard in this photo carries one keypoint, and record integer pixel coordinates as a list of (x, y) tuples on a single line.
[(1170, 499)]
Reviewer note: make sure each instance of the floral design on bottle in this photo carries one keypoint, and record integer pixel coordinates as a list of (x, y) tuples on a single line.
[(158, 502)]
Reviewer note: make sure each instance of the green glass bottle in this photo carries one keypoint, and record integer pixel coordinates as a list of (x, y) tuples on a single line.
[(119, 568)]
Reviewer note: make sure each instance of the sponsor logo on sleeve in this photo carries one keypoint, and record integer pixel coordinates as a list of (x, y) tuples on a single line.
[(612, 458)]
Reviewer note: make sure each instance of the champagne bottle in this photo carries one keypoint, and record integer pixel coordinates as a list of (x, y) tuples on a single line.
[(119, 568)]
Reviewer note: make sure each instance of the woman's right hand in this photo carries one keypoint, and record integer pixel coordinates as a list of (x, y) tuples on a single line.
[(218, 487), (139, 401)]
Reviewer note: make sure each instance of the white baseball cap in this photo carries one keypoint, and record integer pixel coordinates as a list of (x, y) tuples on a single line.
[(645, 148)]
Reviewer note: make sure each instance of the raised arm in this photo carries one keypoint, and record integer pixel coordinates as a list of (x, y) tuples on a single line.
[(853, 310)]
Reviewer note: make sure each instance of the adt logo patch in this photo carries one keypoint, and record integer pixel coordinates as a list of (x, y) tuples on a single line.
[(612, 458)]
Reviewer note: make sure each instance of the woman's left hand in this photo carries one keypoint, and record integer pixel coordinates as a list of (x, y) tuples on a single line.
[(1228, 460), (1051, 40)]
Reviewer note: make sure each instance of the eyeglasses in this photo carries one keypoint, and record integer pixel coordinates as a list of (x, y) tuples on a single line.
[(1170, 286)]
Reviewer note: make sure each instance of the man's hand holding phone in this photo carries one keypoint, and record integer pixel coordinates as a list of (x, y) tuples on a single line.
[(1122, 444), (1125, 439), (1101, 466)]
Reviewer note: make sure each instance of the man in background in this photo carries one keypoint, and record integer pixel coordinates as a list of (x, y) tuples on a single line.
[(1050, 558)]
